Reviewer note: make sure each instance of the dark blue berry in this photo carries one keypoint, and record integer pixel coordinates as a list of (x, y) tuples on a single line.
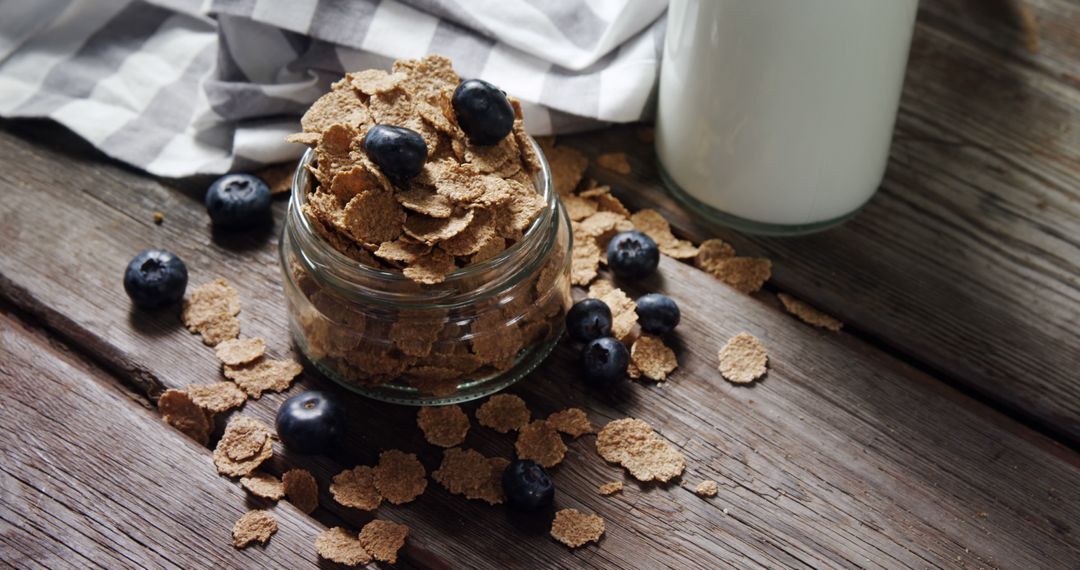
[(527, 485), (632, 255), (311, 423), (237, 201), (155, 278), (483, 111), (399, 152), (589, 319), (604, 361), (657, 314)]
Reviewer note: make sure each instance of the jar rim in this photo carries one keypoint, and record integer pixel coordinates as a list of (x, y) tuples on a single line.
[(302, 179)]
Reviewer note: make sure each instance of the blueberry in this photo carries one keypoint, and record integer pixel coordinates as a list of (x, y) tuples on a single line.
[(604, 361), (399, 152), (483, 111), (589, 319), (657, 314), (155, 278), (237, 201), (310, 423), (632, 255), (527, 485)]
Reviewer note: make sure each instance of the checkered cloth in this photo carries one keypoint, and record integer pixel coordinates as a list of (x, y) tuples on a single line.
[(182, 87)]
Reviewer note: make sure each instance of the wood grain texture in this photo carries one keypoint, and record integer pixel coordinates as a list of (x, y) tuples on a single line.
[(90, 479), (967, 261), (842, 457)]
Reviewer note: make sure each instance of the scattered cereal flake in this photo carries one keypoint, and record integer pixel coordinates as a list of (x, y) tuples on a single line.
[(444, 426), (356, 488), (707, 488), (623, 308), (179, 411), (615, 162), (382, 539), (263, 485), (633, 444), (632, 371), (540, 442), (301, 489), (210, 310), (655, 226), (220, 330), (808, 314), (711, 251), (567, 167), (653, 358), (217, 397), (606, 202), (491, 488), (503, 413), (571, 421), (263, 375), (245, 445), (467, 472), (339, 545), (431, 268), (574, 528), (744, 274), (240, 350), (743, 359), (159, 217), (253, 526), (399, 477), (579, 208), (610, 488)]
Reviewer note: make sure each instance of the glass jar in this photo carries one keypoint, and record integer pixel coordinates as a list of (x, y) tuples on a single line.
[(380, 334)]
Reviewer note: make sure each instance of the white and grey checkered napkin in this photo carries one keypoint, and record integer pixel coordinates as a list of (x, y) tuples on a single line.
[(182, 87)]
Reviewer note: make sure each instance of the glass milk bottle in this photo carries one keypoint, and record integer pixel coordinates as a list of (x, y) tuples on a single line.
[(775, 116)]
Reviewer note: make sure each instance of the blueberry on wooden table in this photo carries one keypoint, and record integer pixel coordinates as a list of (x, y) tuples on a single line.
[(238, 201), (588, 319), (155, 278), (657, 314), (632, 255), (311, 423), (527, 485), (482, 111), (604, 361), (397, 151)]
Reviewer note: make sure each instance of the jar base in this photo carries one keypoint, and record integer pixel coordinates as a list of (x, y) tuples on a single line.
[(744, 225)]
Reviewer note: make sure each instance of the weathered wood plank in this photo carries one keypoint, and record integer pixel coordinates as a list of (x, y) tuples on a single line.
[(841, 457), (968, 260), (90, 479)]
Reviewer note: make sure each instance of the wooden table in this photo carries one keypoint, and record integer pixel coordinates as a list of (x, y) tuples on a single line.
[(940, 429)]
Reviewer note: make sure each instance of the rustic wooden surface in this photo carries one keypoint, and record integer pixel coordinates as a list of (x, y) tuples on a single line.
[(856, 451)]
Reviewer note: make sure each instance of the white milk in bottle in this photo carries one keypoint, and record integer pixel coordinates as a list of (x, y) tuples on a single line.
[(776, 116)]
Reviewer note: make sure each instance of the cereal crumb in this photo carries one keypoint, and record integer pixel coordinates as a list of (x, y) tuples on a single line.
[(263, 485), (503, 413), (217, 397), (633, 444), (253, 526), (382, 539), (808, 314), (265, 374), (574, 528), (159, 217), (444, 426), (540, 442), (237, 351), (610, 488), (743, 359), (301, 489), (615, 162), (707, 488), (399, 477), (356, 488), (571, 421), (653, 358), (339, 545), (245, 445), (179, 411)]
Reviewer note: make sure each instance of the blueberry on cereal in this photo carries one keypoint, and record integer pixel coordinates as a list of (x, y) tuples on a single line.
[(604, 361), (310, 423), (527, 486), (483, 111), (632, 255), (658, 314), (399, 152), (155, 278), (588, 319), (237, 201)]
